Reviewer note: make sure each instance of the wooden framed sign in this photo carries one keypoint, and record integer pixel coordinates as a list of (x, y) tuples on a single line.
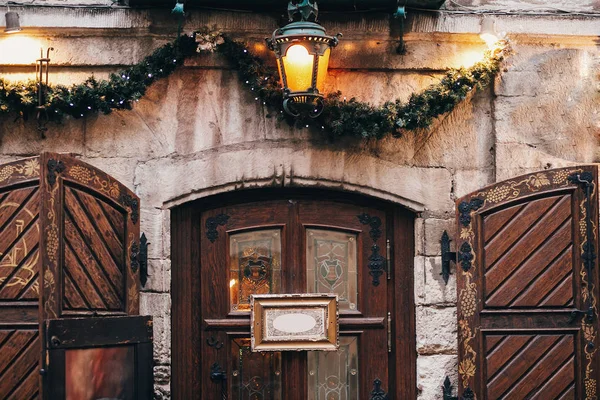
[(294, 322)]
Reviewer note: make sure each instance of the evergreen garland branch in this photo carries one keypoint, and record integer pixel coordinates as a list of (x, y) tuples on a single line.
[(339, 118)]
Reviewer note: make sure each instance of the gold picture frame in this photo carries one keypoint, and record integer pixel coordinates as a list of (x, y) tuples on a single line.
[(294, 322)]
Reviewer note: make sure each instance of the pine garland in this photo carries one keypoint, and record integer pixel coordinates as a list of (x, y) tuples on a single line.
[(340, 117)]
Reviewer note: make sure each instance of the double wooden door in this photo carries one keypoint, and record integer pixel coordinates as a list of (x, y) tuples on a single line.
[(296, 245), (528, 287)]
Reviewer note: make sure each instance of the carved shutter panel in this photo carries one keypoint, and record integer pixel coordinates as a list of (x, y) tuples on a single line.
[(19, 279), (527, 287), (69, 238), (91, 230)]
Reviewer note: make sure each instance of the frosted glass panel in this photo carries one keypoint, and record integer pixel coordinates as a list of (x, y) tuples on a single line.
[(331, 265), (334, 375), (255, 266), (255, 376)]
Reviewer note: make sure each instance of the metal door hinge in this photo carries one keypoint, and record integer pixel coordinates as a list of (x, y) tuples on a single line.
[(447, 392), (389, 332), (388, 258), (143, 259), (447, 256)]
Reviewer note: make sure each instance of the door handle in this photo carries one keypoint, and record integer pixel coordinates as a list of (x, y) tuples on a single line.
[(218, 374)]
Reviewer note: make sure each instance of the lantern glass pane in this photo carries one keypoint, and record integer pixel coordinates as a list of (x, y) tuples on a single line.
[(322, 74), (298, 64)]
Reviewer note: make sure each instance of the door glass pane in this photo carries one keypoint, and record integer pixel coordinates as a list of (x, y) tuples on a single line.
[(334, 375), (255, 376), (255, 266), (331, 265)]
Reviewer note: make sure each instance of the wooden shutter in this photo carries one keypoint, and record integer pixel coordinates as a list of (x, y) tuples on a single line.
[(527, 287), (90, 239), (19, 279), (69, 242)]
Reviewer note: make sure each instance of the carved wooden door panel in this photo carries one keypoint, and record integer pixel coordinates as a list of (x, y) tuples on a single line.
[(293, 246), (528, 287)]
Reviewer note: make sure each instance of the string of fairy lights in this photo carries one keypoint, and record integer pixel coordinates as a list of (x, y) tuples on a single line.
[(341, 116)]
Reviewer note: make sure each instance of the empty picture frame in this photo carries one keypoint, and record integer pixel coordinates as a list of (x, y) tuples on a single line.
[(294, 322)]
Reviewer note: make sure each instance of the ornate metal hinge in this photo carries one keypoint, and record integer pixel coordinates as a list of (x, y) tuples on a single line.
[(447, 256), (133, 204), (468, 394), (465, 208), (376, 260), (378, 393), (54, 168), (211, 226)]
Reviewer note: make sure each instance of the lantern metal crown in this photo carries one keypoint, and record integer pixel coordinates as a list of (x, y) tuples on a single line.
[(302, 49)]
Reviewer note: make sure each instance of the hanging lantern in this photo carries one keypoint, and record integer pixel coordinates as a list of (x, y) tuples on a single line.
[(302, 50)]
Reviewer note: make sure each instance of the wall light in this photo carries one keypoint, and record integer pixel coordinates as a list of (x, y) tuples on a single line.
[(488, 31), (12, 22), (302, 49)]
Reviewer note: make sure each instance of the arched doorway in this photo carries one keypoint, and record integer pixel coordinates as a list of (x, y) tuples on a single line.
[(226, 247)]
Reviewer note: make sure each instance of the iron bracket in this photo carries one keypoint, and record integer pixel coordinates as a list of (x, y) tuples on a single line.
[(400, 15), (447, 256), (143, 259)]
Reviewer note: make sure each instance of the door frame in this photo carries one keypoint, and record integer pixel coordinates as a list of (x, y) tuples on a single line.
[(185, 285)]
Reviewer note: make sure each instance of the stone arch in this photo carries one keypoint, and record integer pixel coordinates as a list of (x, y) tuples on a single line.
[(166, 183)]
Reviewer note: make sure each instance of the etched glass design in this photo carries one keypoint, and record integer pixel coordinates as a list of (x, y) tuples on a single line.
[(331, 265), (334, 375), (255, 376), (255, 266)]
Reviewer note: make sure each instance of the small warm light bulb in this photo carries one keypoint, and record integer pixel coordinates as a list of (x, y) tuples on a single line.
[(299, 55), (298, 68), (232, 283)]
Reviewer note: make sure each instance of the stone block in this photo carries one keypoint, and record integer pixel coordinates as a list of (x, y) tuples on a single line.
[(436, 330), (122, 169), (126, 133), (431, 373), (430, 288), (162, 392), (434, 229), (215, 109), (151, 224), (162, 340), (469, 181), (419, 236), (21, 138), (162, 374), (159, 276), (166, 233), (517, 159)]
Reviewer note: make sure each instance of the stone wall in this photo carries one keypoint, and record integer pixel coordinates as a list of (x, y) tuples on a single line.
[(200, 132)]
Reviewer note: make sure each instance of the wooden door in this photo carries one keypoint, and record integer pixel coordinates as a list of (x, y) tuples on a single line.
[(528, 287), (294, 245)]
